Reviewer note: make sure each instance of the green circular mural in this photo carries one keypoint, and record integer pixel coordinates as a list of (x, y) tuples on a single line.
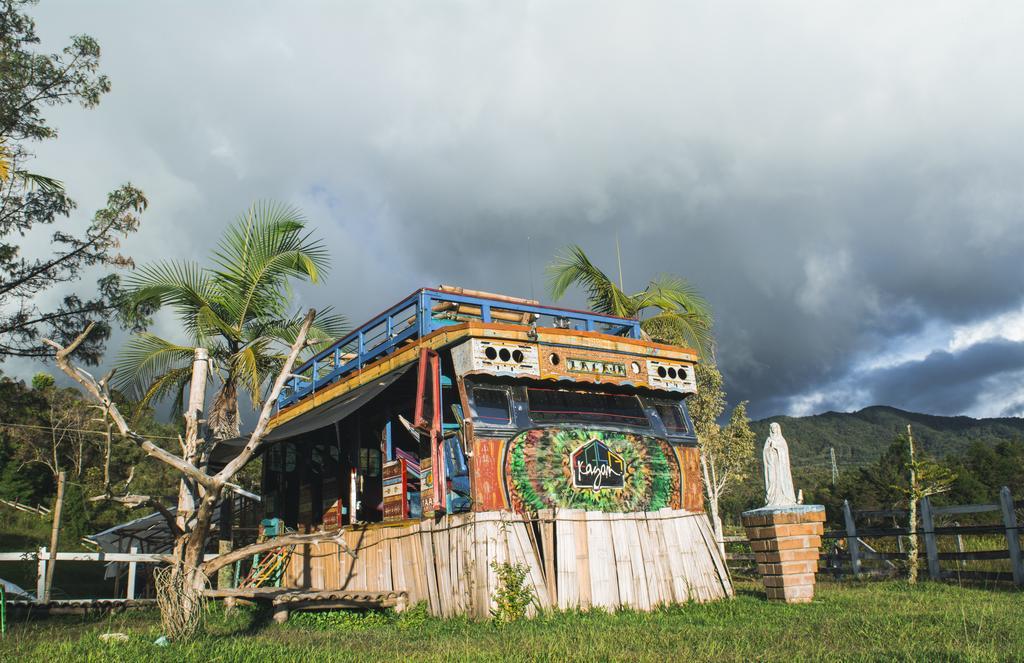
[(540, 472)]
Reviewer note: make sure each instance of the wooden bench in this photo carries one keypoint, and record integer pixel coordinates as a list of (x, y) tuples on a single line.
[(284, 601)]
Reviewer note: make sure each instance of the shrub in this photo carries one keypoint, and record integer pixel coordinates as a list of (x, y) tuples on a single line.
[(513, 596)]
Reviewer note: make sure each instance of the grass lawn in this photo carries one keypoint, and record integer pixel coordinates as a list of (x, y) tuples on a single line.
[(862, 621)]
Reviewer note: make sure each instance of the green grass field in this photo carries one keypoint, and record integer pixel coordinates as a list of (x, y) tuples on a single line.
[(862, 621)]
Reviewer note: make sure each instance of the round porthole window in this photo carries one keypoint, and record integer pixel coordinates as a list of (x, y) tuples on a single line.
[(504, 354), (491, 353), (662, 372), (517, 356), (635, 366), (554, 359)]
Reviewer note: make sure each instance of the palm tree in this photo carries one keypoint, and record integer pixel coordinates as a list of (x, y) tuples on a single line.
[(682, 316), (239, 310)]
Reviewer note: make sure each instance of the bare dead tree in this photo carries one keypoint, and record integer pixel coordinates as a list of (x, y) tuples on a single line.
[(204, 491)]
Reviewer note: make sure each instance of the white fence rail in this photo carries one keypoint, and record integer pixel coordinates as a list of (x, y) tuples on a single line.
[(42, 557)]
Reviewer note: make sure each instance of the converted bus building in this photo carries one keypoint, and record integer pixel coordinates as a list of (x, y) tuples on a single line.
[(461, 428)]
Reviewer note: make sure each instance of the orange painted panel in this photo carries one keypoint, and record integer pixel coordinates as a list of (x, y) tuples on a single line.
[(693, 488), (487, 480)]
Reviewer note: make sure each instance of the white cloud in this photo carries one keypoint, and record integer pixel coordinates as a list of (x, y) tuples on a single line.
[(1008, 326)]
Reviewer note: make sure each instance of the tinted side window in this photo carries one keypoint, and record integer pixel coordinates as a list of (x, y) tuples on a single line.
[(560, 405), (491, 406), (672, 417)]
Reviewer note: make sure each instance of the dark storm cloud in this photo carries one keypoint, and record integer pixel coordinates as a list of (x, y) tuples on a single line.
[(833, 178), (946, 381)]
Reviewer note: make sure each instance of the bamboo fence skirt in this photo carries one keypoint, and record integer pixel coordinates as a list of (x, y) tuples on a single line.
[(575, 559)]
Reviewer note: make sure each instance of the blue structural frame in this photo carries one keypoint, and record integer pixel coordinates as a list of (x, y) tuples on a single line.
[(413, 318)]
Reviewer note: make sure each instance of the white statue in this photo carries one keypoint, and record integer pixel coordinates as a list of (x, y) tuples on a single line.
[(778, 478)]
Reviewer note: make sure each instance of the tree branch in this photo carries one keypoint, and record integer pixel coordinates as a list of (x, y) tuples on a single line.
[(136, 501), (268, 405), (209, 568), (99, 392)]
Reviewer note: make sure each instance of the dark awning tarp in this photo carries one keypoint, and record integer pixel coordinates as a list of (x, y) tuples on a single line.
[(335, 410)]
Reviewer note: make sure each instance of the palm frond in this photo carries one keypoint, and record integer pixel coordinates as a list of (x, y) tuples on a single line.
[(171, 382), (208, 324), (683, 329), (327, 327), (145, 358), (41, 182), (669, 292), (184, 286), (265, 248), (572, 267), (246, 368), (684, 316)]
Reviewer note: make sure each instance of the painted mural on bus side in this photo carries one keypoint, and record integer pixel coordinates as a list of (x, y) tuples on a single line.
[(579, 468)]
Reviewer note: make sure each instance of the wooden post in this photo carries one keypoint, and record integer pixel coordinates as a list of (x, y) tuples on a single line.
[(1012, 535), (914, 556), (196, 405), (959, 545), (931, 549), (41, 575), (353, 501), (851, 539), (224, 540), (131, 573), (55, 533)]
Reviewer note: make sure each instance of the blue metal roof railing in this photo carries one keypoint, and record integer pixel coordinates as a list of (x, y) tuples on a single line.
[(422, 313)]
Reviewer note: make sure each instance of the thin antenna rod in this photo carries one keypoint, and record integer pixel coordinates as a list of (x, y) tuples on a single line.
[(529, 265), (618, 257)]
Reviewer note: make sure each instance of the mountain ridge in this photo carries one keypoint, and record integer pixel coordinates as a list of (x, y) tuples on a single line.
[(860, 437)]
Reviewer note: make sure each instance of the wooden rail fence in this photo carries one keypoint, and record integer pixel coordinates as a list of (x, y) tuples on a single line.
[(859, 558), (42, 557)]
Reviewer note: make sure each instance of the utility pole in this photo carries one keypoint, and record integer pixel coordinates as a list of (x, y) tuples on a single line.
[(835, 470), (54, 535)]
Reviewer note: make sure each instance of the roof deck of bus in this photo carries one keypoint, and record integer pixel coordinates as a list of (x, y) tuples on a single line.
[(437, 317)]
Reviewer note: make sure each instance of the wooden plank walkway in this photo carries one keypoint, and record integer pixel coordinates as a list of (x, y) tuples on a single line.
[(285, 600)]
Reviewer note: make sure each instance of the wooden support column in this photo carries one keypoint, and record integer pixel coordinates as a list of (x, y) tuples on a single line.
[(41, 574), (193, 416), (931, 548), (132, 568), (55, 533), (851, 539), (225, 541), (1012, 535)]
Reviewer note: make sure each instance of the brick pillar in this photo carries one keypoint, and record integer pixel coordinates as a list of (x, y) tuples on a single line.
[(785, 541)]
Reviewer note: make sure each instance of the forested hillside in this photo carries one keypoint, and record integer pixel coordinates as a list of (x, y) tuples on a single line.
[(860, 438), (984, 454)]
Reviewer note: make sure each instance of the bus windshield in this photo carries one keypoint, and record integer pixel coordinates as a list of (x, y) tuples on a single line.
[(550, 405)]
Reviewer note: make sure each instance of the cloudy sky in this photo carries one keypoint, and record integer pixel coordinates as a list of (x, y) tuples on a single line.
[(844, 182)]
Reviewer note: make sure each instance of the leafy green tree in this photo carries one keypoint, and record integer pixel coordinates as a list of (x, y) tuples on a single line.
[(239, 310), (726, 454), (66, 439), (682, 316), (29, 83), (925, 478), (21, 411)]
